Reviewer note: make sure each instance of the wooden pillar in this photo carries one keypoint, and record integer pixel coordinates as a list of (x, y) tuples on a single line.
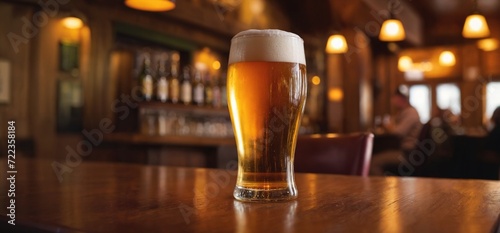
[(385, 82), (472, 87), (100, 94), (15, 49), (352, 72), (334, 101)]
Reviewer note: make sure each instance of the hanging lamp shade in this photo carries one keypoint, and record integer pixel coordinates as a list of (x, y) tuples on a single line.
[(475, 26), (151, 5), (72, 22), (487, 45), (392, 30), (405, 63), (447, 58), (336, 44)]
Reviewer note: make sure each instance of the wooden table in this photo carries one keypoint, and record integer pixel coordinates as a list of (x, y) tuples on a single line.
[(110, 197)]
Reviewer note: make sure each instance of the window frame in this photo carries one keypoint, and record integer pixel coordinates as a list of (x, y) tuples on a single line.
[(433, 83)]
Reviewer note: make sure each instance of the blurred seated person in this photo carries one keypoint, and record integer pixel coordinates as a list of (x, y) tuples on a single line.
[(406, 125), (441, 125), (491, 153), (435, 143), (449, 118), (492, 143)]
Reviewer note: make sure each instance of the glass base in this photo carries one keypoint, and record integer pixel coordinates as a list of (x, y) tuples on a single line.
[(264, 195)]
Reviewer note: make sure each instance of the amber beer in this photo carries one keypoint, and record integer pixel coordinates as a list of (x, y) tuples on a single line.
[(266, 89)]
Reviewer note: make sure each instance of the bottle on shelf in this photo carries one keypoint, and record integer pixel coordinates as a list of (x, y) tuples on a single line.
[(146, 80), (209, 94), (148, 122), (161, 82), (198, 89), (223, 90), (162, 123), (216, 103), (186, 87), (174, 79)]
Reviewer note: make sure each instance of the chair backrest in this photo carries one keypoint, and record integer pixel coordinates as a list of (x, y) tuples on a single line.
[(334, 153)]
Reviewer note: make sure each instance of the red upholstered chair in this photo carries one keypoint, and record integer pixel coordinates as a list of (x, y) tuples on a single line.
[(348, 154)]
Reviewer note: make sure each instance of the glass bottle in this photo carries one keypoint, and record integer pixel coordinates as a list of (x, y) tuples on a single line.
[(223, 90), (174, 79), (216, 103), (186, 88), (198, 89), (146, 80), (161, 83), (209, 94)]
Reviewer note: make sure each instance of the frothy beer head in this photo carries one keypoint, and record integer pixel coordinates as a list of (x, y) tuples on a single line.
[(267, 45)]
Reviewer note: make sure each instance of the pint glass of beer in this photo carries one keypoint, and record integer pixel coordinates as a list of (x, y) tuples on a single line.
[(266, 89)]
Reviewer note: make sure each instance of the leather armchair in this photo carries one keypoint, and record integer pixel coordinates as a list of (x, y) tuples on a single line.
[(348, 154)]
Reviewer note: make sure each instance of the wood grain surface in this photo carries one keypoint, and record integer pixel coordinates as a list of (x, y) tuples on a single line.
[(111, 197)]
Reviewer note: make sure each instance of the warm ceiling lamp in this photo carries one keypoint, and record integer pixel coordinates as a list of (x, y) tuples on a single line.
[(405, 63), (392, 30), (487, 45), (336, 44), (72, 22), (447, 58), (151, 5), (475, 25)]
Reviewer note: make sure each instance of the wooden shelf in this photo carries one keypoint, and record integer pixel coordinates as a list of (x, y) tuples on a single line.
[(141, 139), (192, 109)]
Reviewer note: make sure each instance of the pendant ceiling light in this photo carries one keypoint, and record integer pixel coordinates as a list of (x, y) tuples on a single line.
[(487, 45), (447, 58), (405, 63), (72, 22), (475, 25), (151, 5), (392, 29), (336, 44)]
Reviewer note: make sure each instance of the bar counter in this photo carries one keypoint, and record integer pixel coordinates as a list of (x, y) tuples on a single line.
[(114, 197)]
